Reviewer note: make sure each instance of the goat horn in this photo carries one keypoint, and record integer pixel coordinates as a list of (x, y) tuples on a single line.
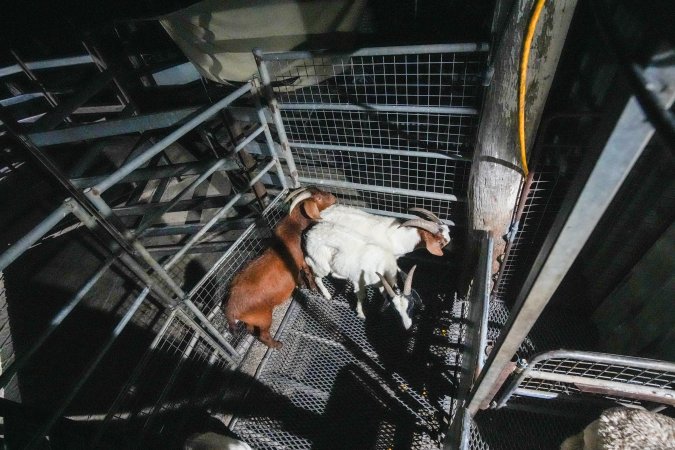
[(431, 227), (387, 286), (300, 198), (407, 287), (427, 213), (294, 193)]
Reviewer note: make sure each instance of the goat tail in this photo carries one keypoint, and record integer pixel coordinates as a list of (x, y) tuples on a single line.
[(230, 314)]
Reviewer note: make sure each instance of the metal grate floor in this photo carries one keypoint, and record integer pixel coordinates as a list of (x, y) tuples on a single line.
[(346, 383)]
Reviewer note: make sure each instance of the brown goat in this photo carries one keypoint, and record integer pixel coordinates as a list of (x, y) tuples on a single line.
[(270, 279)]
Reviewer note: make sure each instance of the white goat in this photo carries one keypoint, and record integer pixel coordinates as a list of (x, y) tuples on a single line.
[(354, 245)]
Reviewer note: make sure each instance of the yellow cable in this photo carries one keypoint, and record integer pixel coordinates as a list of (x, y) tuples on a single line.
[(522, 88)]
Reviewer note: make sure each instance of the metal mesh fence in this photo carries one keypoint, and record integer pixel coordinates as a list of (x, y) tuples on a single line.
[(542, 205), (619, 371), (354, 384), (175, 375), (211, 291), (424, 79), (423, 132), (377, 168)]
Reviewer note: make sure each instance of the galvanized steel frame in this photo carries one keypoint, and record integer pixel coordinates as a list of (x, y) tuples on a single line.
[(575, 223), (96, 210), (617, 388)]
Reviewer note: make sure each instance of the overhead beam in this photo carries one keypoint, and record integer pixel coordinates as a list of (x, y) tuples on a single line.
[(137, 124)]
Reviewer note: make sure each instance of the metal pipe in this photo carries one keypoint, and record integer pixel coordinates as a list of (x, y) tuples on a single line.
[(213, 330), (382, 51), (276, 115), (250, 137), (113, 127), (56, 415), (270, 143), (23, 244), (400, 215), (198, 118), (20, 362), (216, 218), (159, 270), (128, 261), (381, 189), (150, 218), (380, 151), (154, 173), (47, 64), (370, 107), (572, 228)]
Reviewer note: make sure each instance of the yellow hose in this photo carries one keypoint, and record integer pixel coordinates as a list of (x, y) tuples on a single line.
[(522, 88)]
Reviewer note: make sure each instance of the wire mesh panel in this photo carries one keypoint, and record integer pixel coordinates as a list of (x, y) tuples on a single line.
[(443, 75), (393, 127), (574, 373), (425, 132), (211, 291)]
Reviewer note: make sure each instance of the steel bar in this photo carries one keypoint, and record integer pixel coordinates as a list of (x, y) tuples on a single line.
[(54, 171), (20, 362), (276, 114), (93, 364), (155, 173), (91, 223), (216, 217), (203, 321), (368, 107), (156, 213), (183, 205), (571, 230), (380, 212), (115, 127), (159, 270), (382, 51), (66, 107), (270, 143), (477, 317), (665, 395), (51, 99), (207, 247), (47, 64), (250, 137), (194, 121), (99, 109), (23, 244), (380, 151), (382, 189)]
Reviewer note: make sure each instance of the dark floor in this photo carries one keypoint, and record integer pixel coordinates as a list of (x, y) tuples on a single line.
[(347, 383)]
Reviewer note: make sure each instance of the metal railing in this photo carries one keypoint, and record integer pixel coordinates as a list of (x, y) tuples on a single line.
[(126, 251)]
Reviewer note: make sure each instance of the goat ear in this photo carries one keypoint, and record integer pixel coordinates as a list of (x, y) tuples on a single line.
[(434, 247), (311, 209)]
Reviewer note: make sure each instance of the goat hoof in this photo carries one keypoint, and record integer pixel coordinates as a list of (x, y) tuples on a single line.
[(360, 315), (277, 344)]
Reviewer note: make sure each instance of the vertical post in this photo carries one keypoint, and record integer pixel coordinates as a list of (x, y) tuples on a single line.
[(496, 174), (269, 140), (276, 114)]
